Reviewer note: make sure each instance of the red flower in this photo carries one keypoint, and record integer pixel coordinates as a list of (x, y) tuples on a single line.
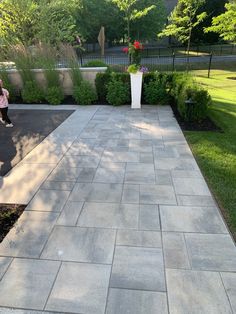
[(138, 45), (125, 50)]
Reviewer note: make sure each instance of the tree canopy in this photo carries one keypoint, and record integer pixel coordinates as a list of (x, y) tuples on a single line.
[(212, 8), (225, 24), (32, 21), (54, 21), (183, 19)]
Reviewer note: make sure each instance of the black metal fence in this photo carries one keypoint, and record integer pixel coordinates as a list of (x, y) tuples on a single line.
[(152, 50), (161, 63)]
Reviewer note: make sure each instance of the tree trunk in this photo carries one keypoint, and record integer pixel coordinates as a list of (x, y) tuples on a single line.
[(188, 47)]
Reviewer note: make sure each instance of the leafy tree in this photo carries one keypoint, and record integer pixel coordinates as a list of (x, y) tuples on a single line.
[(131, 12), (57, 21), (17, 21), (94, 14), (149, 25), (212, 8), (183, 20), (225, 24)]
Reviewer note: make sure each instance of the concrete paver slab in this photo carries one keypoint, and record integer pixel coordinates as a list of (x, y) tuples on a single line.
[(63, 175), (29, 235), (130, 194), (229, 281), (196, 292), (175, 251), (27, 283), (139, 238), (157, 194), (138, 268), (48, 200), (123, 301), (109, 215), (80, 245), (58, 185), (4, 263), (195, 200), (211, 252), (20, 185), (79, 161), (191, 186), (96, 192), (109, 175), (70, 213), (149, 217), (191, 219), (80, 288)]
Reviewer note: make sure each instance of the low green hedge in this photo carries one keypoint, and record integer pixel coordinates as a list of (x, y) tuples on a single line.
[(85, 94), (193, 102), (101, 82), (95, 64), (191, 98), (118, 90)]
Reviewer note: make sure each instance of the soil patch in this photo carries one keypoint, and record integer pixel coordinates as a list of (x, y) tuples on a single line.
[(205, 125), (9, 214)]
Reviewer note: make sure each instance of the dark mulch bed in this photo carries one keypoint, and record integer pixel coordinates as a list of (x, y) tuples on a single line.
[(9, 214), (205, 125)]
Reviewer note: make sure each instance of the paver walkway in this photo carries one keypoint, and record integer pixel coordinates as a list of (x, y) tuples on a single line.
[(122, 222)]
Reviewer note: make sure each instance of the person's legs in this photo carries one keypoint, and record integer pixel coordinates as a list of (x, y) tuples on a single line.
[(5, 117), (2, 115)]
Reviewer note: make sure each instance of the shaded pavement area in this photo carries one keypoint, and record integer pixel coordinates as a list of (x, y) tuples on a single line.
[(30, 128)]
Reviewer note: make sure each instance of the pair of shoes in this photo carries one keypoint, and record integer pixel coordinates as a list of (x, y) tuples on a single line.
[(10, 125), (1, 120)]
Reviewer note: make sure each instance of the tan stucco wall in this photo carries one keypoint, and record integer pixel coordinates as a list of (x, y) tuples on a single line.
[(88, 74)]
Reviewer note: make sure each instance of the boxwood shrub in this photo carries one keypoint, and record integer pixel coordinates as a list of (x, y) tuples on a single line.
[(101, 82), (156, 89), (118, 91), (191, 99), (31, 93), (54, 95), (193, 102), (85, 94)]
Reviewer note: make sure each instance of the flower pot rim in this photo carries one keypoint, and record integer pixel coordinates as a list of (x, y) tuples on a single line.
[(138, 72)]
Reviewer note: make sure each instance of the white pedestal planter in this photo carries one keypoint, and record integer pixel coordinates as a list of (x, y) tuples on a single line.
[(136, 89)]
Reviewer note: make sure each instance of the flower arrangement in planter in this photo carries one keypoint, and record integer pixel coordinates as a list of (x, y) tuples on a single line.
[(134, 50), (136, 72)]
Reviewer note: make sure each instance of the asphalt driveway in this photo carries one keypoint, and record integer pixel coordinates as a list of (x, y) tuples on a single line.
[(30, 129)]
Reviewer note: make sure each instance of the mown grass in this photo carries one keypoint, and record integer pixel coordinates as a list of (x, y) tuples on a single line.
[(214, 151)]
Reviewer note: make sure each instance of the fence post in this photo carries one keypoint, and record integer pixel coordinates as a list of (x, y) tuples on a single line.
[(232, 49), (173, 63), (209, 68), (221, 50)]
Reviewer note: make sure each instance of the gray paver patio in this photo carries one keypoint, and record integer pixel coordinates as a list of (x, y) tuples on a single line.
[(119, 220)]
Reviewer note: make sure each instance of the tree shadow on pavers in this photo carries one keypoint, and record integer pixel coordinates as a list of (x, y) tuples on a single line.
[(31, 127)]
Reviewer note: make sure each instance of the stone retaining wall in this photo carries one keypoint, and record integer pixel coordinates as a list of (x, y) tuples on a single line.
[(88, 74)]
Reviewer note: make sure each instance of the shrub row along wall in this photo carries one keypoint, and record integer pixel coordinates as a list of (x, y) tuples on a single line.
[(88, 74), (179, 89)]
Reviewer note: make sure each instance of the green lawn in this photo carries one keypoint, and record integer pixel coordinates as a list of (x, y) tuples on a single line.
[(214, 151)]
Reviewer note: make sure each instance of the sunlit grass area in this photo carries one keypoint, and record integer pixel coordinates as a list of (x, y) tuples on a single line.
[(215, 151)]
